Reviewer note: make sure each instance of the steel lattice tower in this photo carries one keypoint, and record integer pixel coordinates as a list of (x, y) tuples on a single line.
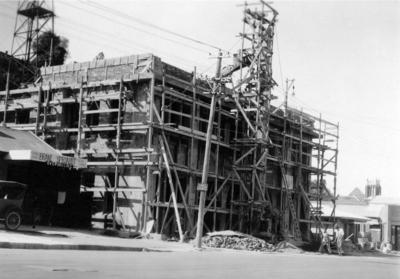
[(33, 18)]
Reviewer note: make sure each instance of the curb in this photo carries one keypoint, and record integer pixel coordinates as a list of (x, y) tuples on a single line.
[(17, 245)]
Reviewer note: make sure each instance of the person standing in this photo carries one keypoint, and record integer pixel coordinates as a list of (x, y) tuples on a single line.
[(325, 242), (339, 238)]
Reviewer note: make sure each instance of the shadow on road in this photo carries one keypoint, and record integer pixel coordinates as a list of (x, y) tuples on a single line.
[(37, 233)]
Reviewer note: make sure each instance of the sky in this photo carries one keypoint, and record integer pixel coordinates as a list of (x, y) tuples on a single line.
[(343, 55)]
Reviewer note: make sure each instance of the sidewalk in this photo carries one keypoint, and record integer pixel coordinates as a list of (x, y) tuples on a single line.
[(67, 239), (61, 238)]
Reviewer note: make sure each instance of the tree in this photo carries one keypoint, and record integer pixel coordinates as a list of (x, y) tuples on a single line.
[(43, 46), (23, 71)]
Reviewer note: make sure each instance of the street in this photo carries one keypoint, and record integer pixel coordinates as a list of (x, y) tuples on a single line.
[(15, 263)]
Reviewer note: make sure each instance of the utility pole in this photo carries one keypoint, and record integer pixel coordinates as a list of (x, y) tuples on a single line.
[(203, 186)]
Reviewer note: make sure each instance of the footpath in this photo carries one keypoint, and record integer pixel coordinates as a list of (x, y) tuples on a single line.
[(56, 238), (40, 237)]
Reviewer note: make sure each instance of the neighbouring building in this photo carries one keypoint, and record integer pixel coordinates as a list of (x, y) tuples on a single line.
[(383, 214), (52, 179)]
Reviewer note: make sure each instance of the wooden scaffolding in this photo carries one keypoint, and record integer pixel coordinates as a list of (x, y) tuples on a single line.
[(141, 124)]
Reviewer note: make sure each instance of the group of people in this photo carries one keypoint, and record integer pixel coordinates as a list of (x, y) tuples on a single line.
[(338, 238)]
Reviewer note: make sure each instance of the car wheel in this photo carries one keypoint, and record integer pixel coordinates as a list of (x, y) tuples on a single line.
[(13, 219)]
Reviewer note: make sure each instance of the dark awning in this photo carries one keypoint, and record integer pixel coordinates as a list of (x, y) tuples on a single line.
[(22, 145)]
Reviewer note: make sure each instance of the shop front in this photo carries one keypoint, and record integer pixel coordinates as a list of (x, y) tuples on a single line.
[(53, 196)]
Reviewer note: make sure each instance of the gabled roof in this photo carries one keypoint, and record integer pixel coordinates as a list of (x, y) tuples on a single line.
[(352, 200), (358, 194)]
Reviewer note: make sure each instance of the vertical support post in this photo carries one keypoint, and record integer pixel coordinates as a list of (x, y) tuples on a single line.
[(78, 140), (322, 186), (335, 176), (216, 170), (160, 184), (37, 43), (319, 166), (299, 166), (163, 98), (38, 109), (286, 97), (193, 154), (233, 182), (7, 94), (46, 105), (284, 193), (52, 40), (158, 195), (117, 151), (149, 143), (202, 187)]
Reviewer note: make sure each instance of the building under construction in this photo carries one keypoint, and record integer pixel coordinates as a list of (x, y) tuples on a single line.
[(142, 125)]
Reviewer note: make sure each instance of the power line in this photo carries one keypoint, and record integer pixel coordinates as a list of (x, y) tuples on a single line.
[(105, 40), (4, 4), (84, 38), (144, 47), (132, 27), (136, 28), (349, 118), (279, 59), (130, 17)]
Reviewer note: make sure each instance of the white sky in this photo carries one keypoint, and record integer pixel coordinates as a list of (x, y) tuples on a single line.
[(345, 57)]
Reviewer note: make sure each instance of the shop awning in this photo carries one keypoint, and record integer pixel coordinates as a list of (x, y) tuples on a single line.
[(22, 145)]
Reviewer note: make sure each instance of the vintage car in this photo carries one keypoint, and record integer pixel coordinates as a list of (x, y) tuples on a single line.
[(12, 196)]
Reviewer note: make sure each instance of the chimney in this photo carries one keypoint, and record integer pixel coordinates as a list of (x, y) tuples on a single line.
[(373, 189)]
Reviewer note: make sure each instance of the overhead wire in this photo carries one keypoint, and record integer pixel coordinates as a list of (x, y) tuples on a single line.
[(279, 60), (307, 106), (146, 31), (104, 36), (353, 119), (5, 14), (152, 25), (4, 4), (90, 41), (144, 47), (115, 12)]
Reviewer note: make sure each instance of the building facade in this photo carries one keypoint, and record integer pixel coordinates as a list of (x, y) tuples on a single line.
[(141, 124)]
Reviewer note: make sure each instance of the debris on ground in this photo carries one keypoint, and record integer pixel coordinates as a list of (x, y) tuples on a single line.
[(121, 234), (285, 246), (236, 240)]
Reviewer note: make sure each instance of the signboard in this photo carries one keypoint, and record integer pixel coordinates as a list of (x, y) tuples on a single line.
[(50, 159)]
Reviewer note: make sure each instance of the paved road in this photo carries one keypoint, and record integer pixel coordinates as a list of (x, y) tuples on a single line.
[(41, 264)]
